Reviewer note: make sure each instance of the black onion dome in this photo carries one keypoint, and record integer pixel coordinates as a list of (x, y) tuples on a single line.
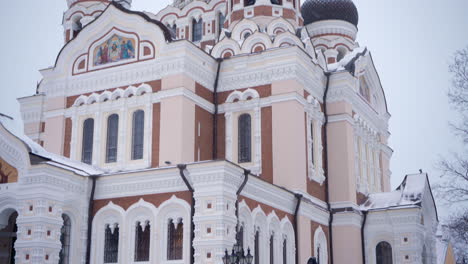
[(318, 10)]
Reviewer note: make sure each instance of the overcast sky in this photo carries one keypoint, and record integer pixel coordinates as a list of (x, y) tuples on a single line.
[(412, 42)]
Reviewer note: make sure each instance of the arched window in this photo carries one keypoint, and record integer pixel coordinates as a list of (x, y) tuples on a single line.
[(320, 246), (197, 30), (65, 232), (285, 251), (8, 234), (175, 239), (173, 29), (249, 2), (111, 244), (77, 26), (272, 249), (87, 147), (138, 132), (257, 247), (221, 20), (142, 241), (112, 138), (245, 138), (276, 2), (383, 253), (341, 53)]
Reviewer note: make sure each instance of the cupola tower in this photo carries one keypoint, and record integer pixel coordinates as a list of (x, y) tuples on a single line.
[(331, 26), (82, 12), (263, 11)]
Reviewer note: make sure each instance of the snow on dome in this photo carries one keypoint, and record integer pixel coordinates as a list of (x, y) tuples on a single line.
[(408, 194), (319, 10), (77, 167)]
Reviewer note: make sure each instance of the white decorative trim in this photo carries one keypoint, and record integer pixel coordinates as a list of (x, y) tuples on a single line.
[(320, 245), (249, 102), (315, 119)]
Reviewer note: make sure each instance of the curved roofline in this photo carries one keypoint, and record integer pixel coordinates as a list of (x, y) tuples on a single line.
[(166, 31)]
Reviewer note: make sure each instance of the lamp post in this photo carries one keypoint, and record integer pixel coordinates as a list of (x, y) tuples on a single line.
[(237, 256)]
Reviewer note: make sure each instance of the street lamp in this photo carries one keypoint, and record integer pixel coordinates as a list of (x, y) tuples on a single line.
[(237, 256)]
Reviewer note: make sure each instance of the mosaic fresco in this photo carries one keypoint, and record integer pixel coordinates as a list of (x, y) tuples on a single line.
[(116, 48)]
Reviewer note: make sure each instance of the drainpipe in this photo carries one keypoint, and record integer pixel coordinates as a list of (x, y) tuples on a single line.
[(183, 167), (246, 178), (296, 220), (90, 218), (325, 149), (215, 118), (362, 237)]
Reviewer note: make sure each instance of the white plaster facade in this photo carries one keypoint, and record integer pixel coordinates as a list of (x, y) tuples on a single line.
[(319, 140)]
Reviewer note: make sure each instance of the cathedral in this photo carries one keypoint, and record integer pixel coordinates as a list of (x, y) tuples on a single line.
[(213, 131)]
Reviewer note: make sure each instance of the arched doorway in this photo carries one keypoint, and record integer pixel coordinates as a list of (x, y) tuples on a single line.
[(383, 253), (65, 232), (8, 239)]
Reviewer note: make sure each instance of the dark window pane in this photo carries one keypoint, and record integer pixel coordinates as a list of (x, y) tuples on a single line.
[(197, 30), (257, 247), (245, 138), (384, 253), (276, 2), (285, 252), (64, 255), (138, 134), (142, 242), (272, 248), (87, 148), (111, 245), (221, 20), (312, 140), (240, 236), (249, 2), (175, 239), (112, 138)]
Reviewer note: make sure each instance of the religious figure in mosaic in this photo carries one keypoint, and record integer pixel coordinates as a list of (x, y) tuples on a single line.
[(115, 49)]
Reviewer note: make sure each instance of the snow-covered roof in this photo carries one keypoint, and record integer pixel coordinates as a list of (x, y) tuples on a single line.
[(348, 59), (53, 159), (408, 194)]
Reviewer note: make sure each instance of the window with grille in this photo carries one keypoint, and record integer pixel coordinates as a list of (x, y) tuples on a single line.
[(221, 20), (240, 236), (65, 232), (384, 253), (111, 244), (272, 248), (112, 138), (138, 131), (257, 247), (285, 252), (318, 254), (87, 147), (245, 138), (142, 241), (197, 30), (175, 239)]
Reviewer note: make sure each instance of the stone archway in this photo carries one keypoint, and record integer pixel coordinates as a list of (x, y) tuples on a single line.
[(8, 237)]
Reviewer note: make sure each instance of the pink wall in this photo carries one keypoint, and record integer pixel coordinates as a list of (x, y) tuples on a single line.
[(341, 162), (177, 138), (289, 157)]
